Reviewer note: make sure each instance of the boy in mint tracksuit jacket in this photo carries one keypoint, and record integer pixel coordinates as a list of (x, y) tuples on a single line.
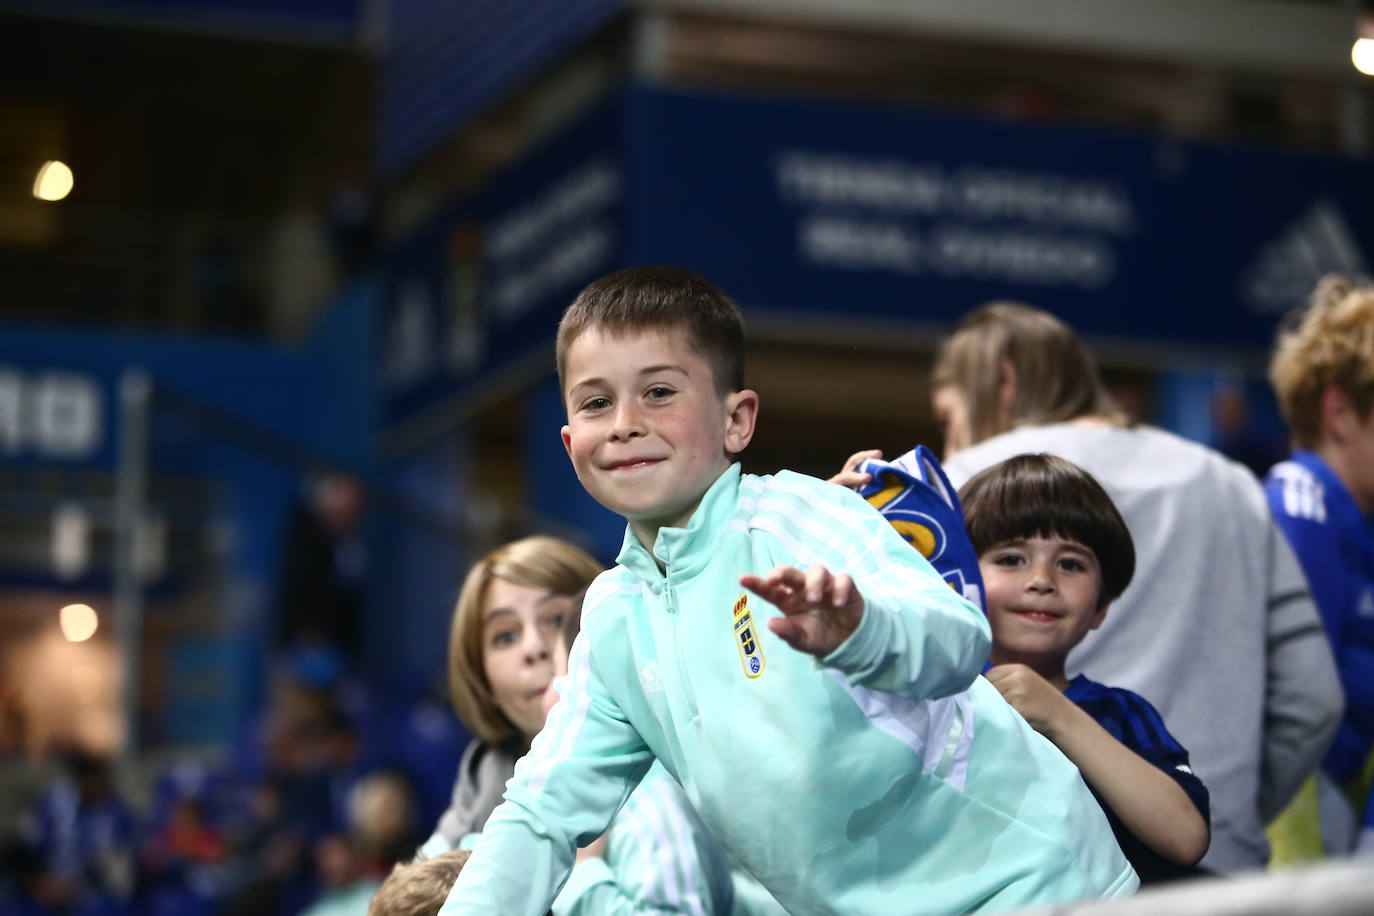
[(798, 668)]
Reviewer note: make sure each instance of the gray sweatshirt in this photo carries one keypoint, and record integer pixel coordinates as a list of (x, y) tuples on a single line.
[(477, 790), (1217, 629)]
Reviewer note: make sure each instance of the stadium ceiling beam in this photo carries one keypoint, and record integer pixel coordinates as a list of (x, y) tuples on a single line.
[(1272, 36)]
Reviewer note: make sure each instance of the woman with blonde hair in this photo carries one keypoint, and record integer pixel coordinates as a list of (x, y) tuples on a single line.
[(1217, 630), (507, 644)]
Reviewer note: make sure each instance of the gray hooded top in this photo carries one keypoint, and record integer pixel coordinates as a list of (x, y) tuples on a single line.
[(477, 790)]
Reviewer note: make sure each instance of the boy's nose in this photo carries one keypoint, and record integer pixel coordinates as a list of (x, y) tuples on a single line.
[(628, 422), (1040, 580)]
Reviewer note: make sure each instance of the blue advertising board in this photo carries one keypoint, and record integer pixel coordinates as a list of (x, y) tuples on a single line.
[(846, 212), (59, 393), (479, 290), (829, 213), (237, 421)]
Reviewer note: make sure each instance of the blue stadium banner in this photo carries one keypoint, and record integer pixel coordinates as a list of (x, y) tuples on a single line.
[(825, 214), (842, 212), (478, 292)]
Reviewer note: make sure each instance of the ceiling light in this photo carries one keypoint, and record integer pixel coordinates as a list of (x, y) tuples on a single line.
[(1362, 55), (54, 180), (78, 621)]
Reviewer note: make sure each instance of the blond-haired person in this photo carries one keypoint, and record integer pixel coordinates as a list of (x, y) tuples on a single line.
[(504, 645), (1217, 630), (1323, 498), (418, 888), (508, 617)]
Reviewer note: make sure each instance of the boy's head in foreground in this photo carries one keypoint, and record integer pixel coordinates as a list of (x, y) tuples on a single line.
[(418, 888), (1054, 553), (651, 365)]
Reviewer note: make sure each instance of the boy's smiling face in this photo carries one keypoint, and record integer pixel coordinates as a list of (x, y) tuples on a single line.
[(1043, 596), (647, 431)]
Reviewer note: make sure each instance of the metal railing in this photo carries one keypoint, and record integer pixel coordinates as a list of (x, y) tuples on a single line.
[(1343, 888)]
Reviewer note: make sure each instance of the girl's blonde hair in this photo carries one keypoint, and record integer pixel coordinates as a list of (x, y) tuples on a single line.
[(535, 562), (1330, 343), (1055, 375)]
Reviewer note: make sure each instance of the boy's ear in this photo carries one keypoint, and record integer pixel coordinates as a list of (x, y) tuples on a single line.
[(1335, 414), (742, 411), (566, 433)]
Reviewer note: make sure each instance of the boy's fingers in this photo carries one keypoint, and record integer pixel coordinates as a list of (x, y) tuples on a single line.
[(760, 587), (859, 458), (789, 576), (841, 591), (848, 476), (778, 594), (818, 582), (789, 631), (751, 582)]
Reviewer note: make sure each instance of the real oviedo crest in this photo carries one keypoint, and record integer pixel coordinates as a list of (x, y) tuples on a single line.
[(747, 640)]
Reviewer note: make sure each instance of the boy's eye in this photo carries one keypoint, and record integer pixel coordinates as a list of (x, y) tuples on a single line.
[(1072, 565), (597, 403), (555, 621), (658, 393), (503, 638), (1007, 559)]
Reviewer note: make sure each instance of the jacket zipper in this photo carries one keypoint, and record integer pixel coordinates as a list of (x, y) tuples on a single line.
[(686, 679)]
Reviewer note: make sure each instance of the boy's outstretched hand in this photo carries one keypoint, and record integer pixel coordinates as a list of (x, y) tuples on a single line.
[(820, 610)]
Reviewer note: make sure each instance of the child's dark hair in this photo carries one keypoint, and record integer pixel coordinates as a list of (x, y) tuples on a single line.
[(661, 299), (1045, 496)]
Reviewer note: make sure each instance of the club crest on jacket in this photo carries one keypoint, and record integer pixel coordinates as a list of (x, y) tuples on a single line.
[(747, 640)]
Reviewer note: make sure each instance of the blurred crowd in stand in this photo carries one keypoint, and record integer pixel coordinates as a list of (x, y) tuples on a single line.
[(306, 813)]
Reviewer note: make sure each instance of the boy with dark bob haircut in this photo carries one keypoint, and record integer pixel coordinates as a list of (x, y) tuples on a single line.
[(793, 663), (1054, 553)]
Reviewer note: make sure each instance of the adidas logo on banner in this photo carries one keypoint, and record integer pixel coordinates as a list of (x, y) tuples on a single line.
[(1317, 243)]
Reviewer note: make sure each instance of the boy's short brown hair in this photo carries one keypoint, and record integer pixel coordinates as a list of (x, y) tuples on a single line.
[(1331, 343), (537, 562), (1045, 496), (418, 888), (666, 299), (1056, 376)]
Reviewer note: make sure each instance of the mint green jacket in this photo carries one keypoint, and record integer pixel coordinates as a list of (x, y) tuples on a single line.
[(886, 777), (659, 859)]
